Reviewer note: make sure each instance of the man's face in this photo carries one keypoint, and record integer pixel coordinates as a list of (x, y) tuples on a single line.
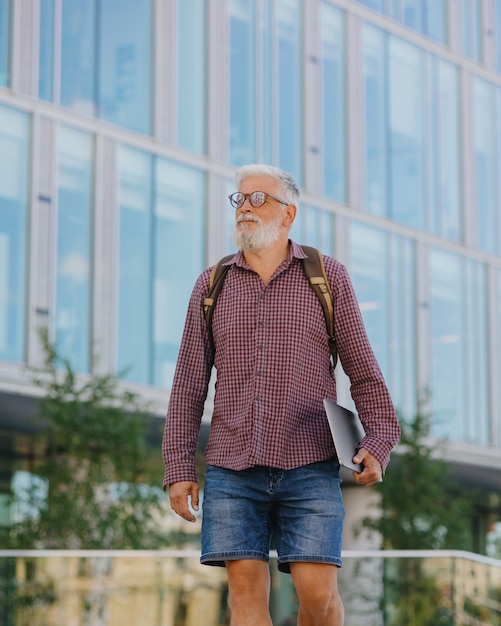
[(259, 227)]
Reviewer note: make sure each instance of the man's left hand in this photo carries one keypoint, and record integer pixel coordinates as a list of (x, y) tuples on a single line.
[(372, 472)]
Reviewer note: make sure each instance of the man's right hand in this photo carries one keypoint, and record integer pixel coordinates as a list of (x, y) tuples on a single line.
[(180, 495)]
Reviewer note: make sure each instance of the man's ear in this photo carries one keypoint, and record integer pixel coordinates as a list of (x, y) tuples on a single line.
[(289, 215)]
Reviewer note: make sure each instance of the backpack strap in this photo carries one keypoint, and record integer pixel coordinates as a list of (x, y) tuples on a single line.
[(216, 280), (314, 270)]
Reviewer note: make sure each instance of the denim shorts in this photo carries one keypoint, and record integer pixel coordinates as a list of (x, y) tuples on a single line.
[(298, 512)]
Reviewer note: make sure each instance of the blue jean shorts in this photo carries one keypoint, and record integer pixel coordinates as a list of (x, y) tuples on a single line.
[(298, 512)]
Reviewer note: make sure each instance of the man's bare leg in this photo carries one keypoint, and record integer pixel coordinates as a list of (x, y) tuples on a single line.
[(249, 587), (317, 590)]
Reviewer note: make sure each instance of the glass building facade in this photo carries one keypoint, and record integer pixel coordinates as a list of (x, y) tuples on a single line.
[(122, 122)]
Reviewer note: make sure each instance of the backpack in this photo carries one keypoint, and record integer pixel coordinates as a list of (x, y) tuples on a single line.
[(313, 266)]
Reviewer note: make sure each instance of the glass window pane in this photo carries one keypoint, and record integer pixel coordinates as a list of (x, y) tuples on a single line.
[(243, 87), (486, 165), (459, 389), (435, 18), (427, 17), (368, 270), (476, 342), (179, 256), (290, 84), (449, 151), (334, 95), (266, 103), (402, 308), (447, 346), (192, 75), (376, 145), (161, 223), (46, 65), (471, 28), (125, 81), (4, 43), (78, 55), (382, 267), (447, 220), (314, 227), (73, 282), (14, 193), (376, 5), (497, 34), (406, 133), (135, 263)]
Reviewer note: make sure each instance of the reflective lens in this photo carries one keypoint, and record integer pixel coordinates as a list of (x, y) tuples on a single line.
[(256, 199)]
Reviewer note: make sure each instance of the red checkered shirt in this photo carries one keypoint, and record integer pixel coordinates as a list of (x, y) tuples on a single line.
[(273, 370)]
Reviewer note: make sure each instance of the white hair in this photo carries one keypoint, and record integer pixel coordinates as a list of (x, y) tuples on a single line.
[(286, 184)]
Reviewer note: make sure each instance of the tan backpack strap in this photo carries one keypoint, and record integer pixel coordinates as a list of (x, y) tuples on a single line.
[(216, 280), (314, 269)]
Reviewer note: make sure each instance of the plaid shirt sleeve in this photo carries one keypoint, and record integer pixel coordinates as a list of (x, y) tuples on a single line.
[(368, 388), (189, 391)]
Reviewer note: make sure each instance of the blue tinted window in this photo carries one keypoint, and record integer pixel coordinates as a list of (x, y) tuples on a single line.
[(106, 60), (46, 63), (485, 144), (426, 17), (314, 227), (14, 193), (497, 9), (471, 29), (402, 321), (290, 87), (78, 55), (376, 5), (161, 222), (266, 83), (135, 262), (395, 130), (476, 344), (4, 42), (459, 348), (242, 82), (382, 267), (334, 95), (447, 345), (73, 282), (125, 49), (192, 75), (444, 150), (179, 233), (376, 139), (267, 87), (406, 134)]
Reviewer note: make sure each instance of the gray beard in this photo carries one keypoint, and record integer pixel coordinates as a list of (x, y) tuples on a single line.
[(262, 237)]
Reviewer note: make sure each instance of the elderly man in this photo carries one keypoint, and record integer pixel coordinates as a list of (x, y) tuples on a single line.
[(272, 472)]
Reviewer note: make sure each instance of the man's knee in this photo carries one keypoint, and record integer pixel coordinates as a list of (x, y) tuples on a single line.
[(249, 591), (317, 590)]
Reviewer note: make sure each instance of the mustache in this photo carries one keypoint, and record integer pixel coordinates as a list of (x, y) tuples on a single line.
[(248, 218)]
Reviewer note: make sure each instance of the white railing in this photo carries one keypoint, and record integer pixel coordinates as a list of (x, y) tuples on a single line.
[(171, 588)]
